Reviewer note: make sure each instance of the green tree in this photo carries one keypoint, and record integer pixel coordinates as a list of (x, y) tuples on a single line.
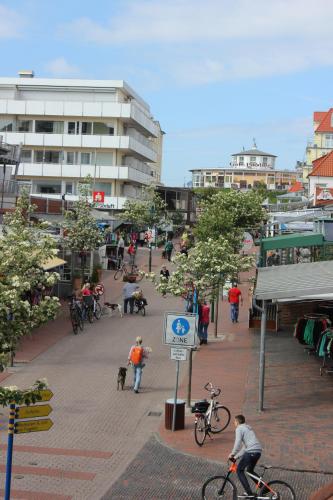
[(24, 248), (149, 211), (205, 193), (229, 213), (208, 263), (81, 233)]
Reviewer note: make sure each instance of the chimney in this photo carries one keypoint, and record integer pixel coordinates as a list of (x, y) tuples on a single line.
[(26, 73)]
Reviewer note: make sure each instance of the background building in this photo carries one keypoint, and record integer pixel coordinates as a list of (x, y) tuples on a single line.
[(73, 128), (247, 169), (322, 142)]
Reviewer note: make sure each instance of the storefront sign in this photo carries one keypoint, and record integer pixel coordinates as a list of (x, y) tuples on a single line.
[(98, 196)]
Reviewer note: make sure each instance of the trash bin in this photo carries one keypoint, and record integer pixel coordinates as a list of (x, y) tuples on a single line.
[(180, 414)]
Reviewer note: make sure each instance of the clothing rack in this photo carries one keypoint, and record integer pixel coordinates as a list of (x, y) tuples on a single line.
[(327, 352)]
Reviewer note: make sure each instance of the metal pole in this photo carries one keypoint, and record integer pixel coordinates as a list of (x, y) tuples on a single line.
[(175, 400), (189, 384), (11, 423), (216, 310), (150, 256), (262, 356)]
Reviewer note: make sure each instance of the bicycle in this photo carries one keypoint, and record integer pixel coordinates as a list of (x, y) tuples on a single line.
[(210, 417), (222, 487), (140, 305), (88, 307), (124, 271), (76, 314)]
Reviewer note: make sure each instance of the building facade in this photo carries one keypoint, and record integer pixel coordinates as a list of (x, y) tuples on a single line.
[(322, 141), (321, 180), (69, 129), (247, 169)]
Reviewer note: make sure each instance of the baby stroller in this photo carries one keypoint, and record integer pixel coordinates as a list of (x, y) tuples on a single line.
[(140, 303)]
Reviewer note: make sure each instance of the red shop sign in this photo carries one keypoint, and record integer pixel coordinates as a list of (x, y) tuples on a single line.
[(98, 196)]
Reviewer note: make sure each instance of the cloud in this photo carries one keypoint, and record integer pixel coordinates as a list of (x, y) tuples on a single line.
[(11, 23), (59, 67), (192, 42)]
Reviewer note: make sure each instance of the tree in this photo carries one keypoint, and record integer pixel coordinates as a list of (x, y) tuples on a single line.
[(12, 394), (229, 213), (81, 233), (205, 193), (24, 304), (149, 211), (208, 264)]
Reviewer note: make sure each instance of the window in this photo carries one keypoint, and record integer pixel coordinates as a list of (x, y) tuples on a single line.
[(103, 129), (6, 125), (104, 187), (69, 188), (85, 158), (104, 159), (86, 128), (70, 158), (329, 141), (253, 159), (24, 126), (48, 156), (264, 160), (46, 127), (26, 156), (71, 127), (46, 188)]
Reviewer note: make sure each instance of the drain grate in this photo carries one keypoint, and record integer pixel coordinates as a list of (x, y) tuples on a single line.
[(154, 414)]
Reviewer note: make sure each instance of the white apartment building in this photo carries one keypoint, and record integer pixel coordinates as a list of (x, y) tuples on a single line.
[(69, 129)]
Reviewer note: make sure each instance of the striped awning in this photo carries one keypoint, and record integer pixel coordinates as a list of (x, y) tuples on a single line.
[(295, 281)]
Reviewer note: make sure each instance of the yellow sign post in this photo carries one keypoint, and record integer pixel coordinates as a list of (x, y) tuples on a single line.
[(33, 411), (33, 425), (45, 394)]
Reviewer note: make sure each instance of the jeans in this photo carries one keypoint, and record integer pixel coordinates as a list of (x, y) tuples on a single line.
[(130, 301), (248, 462), (137, 374), (132, 259), (234, 308), (203, 331)]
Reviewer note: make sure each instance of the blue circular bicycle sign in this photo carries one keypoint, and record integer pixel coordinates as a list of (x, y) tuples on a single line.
[(180, 327)]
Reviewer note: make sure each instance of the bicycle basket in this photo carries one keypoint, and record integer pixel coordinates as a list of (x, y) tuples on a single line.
[(200, 406)]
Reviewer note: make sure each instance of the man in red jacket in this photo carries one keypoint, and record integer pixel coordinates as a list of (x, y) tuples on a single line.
[(204, 311), (234, 297)]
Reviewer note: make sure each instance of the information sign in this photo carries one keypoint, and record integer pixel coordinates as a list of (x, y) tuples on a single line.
[(23, 426), (180, 329), (178, 353), (45, 394), (32, 411)]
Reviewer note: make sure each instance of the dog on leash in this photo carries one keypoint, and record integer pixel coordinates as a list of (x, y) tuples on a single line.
[(121, 378), (114, 307)]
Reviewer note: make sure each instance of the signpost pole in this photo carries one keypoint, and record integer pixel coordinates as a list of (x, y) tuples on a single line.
[(216, 309), (189, 385), (175, 401), (11, 423), (150, 255)]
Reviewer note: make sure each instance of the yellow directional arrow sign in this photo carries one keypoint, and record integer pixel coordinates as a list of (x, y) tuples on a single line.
[(33, 425), (46, 394), (33, 411)]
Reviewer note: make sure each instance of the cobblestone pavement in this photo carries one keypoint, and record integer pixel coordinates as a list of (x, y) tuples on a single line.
[(159, 472)]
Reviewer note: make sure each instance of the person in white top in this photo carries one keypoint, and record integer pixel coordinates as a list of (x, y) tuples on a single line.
[(120, 248)]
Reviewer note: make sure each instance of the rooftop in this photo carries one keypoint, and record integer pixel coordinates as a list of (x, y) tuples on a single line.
[(325, 120), (323, 167), (254, 152)]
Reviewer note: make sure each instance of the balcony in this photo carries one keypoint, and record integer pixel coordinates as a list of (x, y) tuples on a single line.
[(144, 148), (53, 204), (63, 171)]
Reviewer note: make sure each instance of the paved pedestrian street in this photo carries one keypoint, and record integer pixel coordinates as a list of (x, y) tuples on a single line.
[(109, 444)]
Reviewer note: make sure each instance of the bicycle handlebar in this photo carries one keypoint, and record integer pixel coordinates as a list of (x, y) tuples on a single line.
[(216, 391)]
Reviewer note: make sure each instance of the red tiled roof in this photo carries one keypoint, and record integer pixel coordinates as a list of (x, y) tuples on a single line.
[(323, 167), (325, 124), (318, 115), (297, 186)]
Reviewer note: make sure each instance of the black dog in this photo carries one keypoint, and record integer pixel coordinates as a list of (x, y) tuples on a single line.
[(121, 378)]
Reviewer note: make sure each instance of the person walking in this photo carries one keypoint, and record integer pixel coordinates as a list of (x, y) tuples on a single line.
[(248, 448), (234, 297), (164, 273), (131, 252), (204, 311), (128, 290), (168, 249), (135, 358), (120, 248)]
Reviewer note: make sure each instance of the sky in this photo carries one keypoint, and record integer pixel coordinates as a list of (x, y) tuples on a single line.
[(216, 73)]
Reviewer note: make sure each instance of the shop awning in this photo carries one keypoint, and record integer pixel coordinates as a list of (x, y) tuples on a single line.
[(52, 263), (295, 240), (295, 281)]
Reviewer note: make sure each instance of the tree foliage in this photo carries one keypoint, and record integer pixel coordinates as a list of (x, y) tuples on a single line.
[(149, 211), (13, 394), (229, 213), (24, 247)]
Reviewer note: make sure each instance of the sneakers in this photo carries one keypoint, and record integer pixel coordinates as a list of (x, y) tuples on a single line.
[(136, 392)]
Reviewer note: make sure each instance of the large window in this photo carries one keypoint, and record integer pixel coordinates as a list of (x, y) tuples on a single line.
[(103, 129), (86, 128), (26, 155), (24, 125), (46, 127), (70, 157), (104, 187), (48, 188), (6, 125), (85, 158), (329, 141), (48, 156)]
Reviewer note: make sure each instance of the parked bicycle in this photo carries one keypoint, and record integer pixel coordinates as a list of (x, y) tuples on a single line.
[(223, 487), (76, 314), (211, 417), (97, 308), (128, 271)]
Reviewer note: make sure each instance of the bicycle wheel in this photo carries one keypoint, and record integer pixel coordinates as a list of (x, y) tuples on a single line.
[(98, 310), (220, 419), (200, 430), (74, 320), (80, 319), (279, 491), (118, 274), (90, 314), (213, 486)]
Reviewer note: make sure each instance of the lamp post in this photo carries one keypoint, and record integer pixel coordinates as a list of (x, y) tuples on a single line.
[(152, 214)]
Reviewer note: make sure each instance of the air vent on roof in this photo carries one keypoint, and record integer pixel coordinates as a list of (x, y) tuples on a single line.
[(26, 73)]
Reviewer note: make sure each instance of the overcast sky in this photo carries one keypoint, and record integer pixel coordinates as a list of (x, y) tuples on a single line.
[(216, 73)]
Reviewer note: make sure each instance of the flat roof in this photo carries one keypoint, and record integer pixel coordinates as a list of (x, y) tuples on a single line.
[(295, 281), (247, 170), (292, 240)]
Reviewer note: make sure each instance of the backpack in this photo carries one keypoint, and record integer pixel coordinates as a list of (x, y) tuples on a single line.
[(136, 355)]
